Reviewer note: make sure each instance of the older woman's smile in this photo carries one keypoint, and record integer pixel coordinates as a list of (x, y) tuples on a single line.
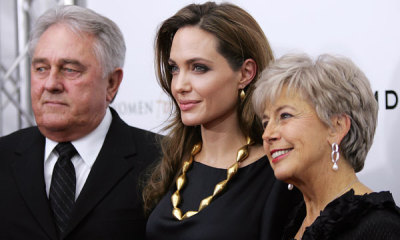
[(277, 154), (308, 112)]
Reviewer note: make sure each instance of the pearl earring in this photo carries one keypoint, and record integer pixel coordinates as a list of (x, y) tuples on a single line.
[(335, 156)]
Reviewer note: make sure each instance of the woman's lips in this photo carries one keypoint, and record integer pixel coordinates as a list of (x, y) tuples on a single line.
[(278, 154), (187, 105)]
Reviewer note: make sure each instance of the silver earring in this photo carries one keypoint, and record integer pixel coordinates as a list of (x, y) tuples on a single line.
[(335, 156), (290, 186)]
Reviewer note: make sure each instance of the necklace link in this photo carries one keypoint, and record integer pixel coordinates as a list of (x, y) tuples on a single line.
[(242, 154)]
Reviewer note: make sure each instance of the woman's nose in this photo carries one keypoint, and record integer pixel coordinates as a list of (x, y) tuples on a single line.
[(270, 132), (181, 82)]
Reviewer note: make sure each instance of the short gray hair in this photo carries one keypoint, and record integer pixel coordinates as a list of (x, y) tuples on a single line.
[(334, 85), (109, 47)]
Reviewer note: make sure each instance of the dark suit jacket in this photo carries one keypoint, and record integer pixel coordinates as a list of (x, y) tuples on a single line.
[(109, 205)]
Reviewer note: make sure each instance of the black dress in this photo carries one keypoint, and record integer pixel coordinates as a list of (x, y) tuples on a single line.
[(370, 216), (254, 206)]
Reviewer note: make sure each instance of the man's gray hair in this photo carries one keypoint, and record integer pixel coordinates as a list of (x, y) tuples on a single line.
[(109, 46)]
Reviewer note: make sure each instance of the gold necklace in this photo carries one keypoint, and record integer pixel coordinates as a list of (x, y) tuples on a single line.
[(242, 154)]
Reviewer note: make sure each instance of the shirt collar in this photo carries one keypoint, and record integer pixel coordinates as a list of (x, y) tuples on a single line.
[(89, 146)]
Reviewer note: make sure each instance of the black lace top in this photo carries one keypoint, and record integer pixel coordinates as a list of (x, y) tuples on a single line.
[(369, 216)]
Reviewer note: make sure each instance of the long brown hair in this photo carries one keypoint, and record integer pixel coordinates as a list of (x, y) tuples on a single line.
[(239, 38)]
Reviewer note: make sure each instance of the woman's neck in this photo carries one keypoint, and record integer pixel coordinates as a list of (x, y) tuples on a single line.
[(319, 191), (220, 147)]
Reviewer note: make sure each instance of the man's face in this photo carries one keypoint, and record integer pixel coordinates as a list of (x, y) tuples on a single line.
[(68, 90)]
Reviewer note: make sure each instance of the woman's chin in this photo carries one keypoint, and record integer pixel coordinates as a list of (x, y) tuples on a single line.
[(282, 175)]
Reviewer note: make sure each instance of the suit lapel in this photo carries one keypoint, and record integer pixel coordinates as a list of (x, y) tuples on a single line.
[(29, 175), (114, 161)]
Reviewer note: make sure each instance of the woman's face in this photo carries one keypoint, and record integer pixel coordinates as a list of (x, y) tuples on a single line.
[(295, 139), (203, 83)]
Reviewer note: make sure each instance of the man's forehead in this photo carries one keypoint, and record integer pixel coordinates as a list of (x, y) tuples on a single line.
[(60, 61), (62, 37)]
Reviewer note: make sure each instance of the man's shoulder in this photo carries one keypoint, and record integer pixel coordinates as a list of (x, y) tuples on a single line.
[(138, 133), (143, 132), (145, 139), (17, 142), (19, 135)]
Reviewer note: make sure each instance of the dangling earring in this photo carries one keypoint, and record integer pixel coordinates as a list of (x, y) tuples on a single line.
[(335, 156), (242, 95), (290, 187)]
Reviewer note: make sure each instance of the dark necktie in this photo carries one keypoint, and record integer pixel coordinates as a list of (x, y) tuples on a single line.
[(63, 185)]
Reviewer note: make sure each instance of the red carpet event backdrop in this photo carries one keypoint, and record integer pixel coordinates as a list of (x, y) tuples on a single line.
[(365, 31)]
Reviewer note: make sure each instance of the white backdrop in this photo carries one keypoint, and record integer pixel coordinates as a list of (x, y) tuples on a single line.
[(367, 31)]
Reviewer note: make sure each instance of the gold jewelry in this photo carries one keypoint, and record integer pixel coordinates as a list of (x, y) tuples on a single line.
[(242, 95), (242, 154)]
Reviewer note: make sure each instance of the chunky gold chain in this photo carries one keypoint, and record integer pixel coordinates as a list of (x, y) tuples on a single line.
[(242, 154)]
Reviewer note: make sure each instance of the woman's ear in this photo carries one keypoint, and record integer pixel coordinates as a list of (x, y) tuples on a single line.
[(340, 127), (114, 80), (248, 70)]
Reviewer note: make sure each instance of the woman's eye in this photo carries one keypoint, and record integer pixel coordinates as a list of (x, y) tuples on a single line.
[(200, 68), (264, 124), (286, 115), (173, 69)]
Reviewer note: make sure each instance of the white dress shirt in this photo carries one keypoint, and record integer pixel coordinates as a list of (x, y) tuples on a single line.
[(88, 149)]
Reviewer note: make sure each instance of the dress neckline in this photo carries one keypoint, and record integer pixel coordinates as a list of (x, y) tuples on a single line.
[(345, 211), (251, 165)]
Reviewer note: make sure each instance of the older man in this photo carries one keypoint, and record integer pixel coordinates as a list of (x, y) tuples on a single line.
[(75, 175)]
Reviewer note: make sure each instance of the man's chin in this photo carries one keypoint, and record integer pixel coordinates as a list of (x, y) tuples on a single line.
[(52, 125)]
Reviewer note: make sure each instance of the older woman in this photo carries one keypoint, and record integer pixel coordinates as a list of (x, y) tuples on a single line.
[(214, 181), (319, 121)]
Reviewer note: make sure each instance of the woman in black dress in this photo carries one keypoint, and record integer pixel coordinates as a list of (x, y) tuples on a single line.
[(214, 181), (319, 119)]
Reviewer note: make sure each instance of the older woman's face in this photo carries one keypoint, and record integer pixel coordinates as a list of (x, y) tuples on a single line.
[(295, 139), (203, 83)]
